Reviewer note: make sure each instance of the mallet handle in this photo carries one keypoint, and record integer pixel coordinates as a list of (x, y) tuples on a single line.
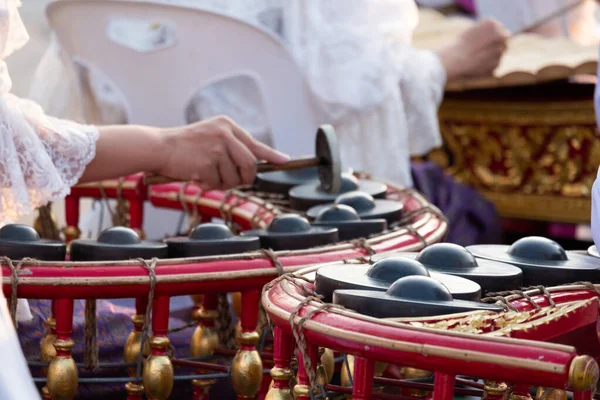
[(297, 163)]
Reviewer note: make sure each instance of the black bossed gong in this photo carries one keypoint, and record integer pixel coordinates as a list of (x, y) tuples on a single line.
[(348, 223), (366, 206), (593, 251), (20, 241), (379, 277), (117, 243), (305, 196), (293, 232), (543, 261), (209, 240), (280, 182), (455, 260), (411, 296)]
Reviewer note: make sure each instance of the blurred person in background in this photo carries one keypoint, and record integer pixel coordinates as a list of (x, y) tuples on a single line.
[(580, 24), (380, 93)]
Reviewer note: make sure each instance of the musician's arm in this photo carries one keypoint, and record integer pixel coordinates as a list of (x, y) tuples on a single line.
[(216, 153), (475, 53), (123, 150)]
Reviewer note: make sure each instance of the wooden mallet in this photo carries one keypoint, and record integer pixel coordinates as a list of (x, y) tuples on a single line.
[(327, 159)]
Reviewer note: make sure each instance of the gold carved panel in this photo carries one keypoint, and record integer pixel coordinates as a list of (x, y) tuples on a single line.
[(534, 159)]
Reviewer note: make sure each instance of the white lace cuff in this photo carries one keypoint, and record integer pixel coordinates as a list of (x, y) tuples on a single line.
[(40, 157)]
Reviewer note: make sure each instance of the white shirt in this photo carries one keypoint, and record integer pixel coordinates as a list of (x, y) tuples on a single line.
[(379, 92), (580, 24)]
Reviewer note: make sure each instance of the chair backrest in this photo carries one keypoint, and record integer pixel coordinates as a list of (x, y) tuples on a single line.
[(158, 85)]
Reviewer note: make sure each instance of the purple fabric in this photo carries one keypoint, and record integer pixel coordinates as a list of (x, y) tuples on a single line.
[(472, 218), (468, 5)]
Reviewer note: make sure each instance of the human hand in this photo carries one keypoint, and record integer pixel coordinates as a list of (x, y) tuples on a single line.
[(215, 153), (477, 52)]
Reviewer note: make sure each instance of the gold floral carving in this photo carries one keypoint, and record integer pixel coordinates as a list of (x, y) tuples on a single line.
[(502, 324), (534, 160)]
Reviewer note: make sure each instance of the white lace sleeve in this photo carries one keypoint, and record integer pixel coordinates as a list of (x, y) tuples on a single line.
[(40, 157)]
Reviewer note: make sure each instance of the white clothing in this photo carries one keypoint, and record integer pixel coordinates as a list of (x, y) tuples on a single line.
[(379, 92), (579, 24), (40, 157), (15, 379)]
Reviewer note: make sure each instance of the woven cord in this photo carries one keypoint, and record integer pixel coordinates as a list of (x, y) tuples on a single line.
[(363, 244), (90, 336), (298, 332), (280, 272), (224, 323), (152, 274), (14, 270), (122, 209), (195, 218)]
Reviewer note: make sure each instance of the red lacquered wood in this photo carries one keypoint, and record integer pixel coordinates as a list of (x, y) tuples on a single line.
[(202, 276), (207, 275), (72, 210), (583, 395), (302, 376), (64, 319), (521, 391), (428, 349), (362, 379), (443, 386), (249, 314), (209, 302), (282, 354), (136, 214), (133, 188), (160, 318), (141, 303)]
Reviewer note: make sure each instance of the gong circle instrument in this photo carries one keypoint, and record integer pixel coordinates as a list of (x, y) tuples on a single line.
[(327, 160), (348, 223), (20, 241), (381, 275), (117, 243), (211, 239), (293, 232), (303, 197), (384, 338), (414, 295), (366, 206), (210, 260), (543, 261), (452, 259)]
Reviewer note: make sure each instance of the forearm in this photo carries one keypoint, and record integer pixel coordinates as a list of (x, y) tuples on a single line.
[(123, 150), (451, 62)]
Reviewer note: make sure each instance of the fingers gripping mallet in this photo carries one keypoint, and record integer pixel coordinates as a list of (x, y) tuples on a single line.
[(327, 160)]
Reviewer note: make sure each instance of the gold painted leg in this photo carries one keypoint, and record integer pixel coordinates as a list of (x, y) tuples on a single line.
[(247, 367), (494, 390), (158, 370), (62, 373), (550, 394), (205, 341)]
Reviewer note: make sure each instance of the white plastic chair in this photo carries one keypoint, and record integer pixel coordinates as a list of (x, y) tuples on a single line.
[(158, 85)]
